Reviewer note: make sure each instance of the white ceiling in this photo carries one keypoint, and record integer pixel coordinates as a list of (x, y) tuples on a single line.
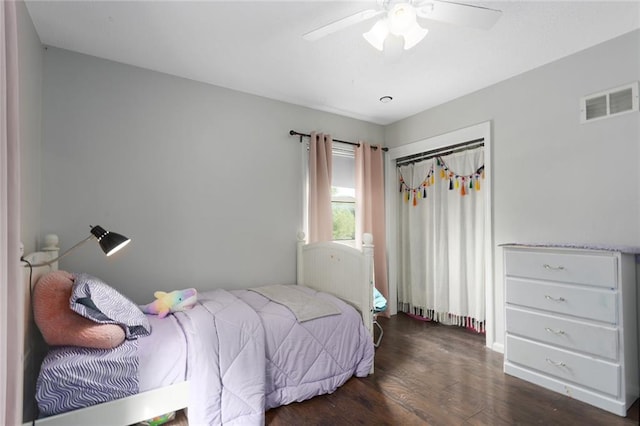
[(257, 47)]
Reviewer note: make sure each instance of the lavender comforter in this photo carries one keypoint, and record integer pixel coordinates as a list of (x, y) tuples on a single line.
[(244, 354), (305, 359)]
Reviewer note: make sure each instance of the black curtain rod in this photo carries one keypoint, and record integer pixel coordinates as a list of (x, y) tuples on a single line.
[(303, 135), (463, 146)]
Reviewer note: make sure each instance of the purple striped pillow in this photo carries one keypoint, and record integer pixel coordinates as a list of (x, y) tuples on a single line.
[(99, 302)]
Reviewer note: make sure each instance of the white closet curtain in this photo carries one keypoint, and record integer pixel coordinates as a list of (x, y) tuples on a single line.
[(442, 239)]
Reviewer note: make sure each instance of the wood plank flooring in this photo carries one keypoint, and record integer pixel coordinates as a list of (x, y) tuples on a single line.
[(429, 374)]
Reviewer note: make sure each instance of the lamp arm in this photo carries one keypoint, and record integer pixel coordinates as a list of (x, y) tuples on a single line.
[(49, 262)]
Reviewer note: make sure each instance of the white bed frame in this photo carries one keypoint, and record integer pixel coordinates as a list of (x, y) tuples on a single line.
[(340, 270), (328, 267)]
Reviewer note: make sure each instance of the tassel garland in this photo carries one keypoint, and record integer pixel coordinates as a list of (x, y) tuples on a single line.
[(418, 192), (460, 181), (464, 183)]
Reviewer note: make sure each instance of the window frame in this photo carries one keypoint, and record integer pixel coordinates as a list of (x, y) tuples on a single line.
[(338, 149)]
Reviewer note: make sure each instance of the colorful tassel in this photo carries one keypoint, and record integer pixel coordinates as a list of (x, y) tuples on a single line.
[(477, 184), (450, 184)]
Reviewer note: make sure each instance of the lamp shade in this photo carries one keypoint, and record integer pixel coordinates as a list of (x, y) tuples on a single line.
[(414, 35), (110, 242), (377, 34)]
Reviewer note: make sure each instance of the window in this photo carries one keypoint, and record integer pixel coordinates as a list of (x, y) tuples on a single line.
[(343, 205), (343, 193), (343, 196)]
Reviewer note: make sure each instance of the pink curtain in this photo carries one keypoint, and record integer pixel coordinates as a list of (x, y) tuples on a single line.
[(11, 297), (370, 210), (320, 213)]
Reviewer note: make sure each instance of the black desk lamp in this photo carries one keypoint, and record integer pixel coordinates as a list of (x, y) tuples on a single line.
[(110, 242)]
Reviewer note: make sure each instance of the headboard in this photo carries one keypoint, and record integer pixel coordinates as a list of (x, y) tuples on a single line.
[(340, 270), (34, 346)]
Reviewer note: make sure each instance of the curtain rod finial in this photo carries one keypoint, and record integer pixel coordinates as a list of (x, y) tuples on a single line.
[(293, 132)]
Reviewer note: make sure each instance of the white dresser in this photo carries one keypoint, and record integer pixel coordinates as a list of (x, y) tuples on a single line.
[(571, 323)]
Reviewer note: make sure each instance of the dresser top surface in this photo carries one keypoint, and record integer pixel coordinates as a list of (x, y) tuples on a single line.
[(587, 246)]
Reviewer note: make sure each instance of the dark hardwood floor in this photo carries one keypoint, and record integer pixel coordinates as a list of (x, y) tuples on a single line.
[(429, 374)]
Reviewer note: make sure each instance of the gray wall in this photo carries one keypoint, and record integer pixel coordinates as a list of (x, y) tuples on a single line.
[(555, 180), (206, 181), (30, 98)]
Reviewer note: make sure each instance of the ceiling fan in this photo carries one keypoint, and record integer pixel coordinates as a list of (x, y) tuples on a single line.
[(399, 18)]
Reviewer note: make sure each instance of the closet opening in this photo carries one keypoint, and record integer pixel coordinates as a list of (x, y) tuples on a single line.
[(439, 209)]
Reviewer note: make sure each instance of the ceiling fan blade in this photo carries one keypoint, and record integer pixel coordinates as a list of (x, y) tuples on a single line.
[(341, 24), (458, 13)]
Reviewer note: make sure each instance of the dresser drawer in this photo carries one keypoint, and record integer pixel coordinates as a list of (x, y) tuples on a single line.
[(584, 302), (574, 335), (586, 269), (585, 371)]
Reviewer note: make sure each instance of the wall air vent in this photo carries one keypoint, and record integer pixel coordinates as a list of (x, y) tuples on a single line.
[(619, 100)]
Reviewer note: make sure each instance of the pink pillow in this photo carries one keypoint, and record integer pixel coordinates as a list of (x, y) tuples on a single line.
[(59, 325)]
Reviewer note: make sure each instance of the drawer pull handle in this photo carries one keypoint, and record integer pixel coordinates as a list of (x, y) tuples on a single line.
[(553, 268), (551, 330), (556, 363), (555, 299)]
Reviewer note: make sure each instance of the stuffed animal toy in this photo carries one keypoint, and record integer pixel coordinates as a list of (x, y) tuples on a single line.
[(175, 301)]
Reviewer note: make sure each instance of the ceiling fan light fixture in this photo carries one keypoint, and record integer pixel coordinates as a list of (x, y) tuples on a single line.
[(414, 36), (377, 34), (399, 26), (402, 17)]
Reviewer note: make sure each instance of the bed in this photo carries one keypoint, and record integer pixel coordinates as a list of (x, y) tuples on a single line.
[(253, 354)]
